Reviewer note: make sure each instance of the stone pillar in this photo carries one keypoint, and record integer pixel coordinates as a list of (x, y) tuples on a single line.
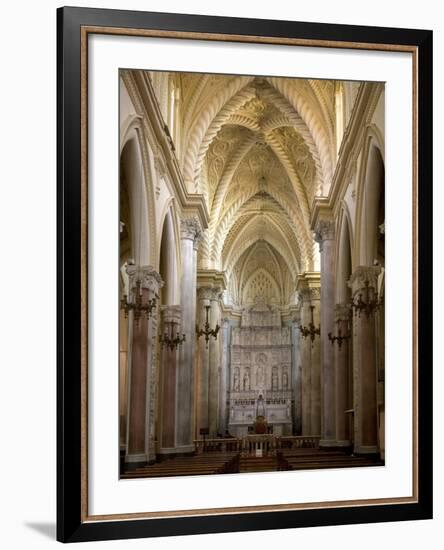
[(315, 365), (190, 234), (309, 296), (305, 355), (364, 365), (214, 364), (224, 374), (168, 369), (140, 445), (342, 358), (203, 295), (296, 371), (325, 234)]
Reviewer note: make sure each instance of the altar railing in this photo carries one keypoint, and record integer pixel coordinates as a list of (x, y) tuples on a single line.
[(298, 442), (256, 444), (218, 445)]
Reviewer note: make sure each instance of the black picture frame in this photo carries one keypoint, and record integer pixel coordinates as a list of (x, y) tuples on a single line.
[(71, 523)]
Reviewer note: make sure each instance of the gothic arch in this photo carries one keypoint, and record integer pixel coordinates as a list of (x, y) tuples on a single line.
[(371, 185), (133, 131)]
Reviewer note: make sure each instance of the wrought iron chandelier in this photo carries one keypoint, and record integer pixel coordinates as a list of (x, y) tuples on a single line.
[(368, 304), (171, 337), (311, 330), (207, 332), (339, 338), (137, 304)]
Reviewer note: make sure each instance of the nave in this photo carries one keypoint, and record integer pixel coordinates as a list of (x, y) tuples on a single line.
[(251, 273)]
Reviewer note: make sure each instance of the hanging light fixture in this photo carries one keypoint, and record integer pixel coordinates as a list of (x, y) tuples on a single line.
[(136, 303), (207, 331), (339, 338), (311, 330), (171, 337), (367, 304)]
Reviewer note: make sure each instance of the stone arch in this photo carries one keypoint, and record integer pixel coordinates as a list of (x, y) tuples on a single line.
[(169, 260), (371, 185), (343, 259), (133, 137)]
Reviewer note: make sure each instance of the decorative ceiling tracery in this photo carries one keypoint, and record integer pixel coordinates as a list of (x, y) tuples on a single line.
[(260, 150)]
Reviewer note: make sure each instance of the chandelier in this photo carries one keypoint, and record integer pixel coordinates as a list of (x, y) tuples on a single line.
[(137, 304), (311, 330), (339, 338), (207, 331), (369, 303), (171, 337)]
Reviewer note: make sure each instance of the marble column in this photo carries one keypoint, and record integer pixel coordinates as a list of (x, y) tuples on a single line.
[(224, 374), (365, 365), (209, 362), (305, 356), (342, 358), (315, 365), (140, 445), (190, 235), (296, 370), (168, 368), (203, 295), (325, 235), (214, 364), (310, 365)]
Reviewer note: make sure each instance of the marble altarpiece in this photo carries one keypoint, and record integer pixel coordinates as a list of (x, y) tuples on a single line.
[(260, 372)]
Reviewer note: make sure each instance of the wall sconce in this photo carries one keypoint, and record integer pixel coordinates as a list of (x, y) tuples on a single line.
[(207, 331), (368, 304), (311, 330), (136, 303), (339, 338), (171, 337)]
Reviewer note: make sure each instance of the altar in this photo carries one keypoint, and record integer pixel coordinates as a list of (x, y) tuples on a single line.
[(260, 373)]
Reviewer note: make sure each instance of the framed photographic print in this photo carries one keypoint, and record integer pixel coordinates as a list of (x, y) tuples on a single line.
[(245, 274)]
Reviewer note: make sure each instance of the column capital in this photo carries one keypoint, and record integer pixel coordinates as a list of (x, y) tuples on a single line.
[(149, 278), (171, 314), (209, 293), (325, 230), (190, 228), (361, 275), (308, 295)]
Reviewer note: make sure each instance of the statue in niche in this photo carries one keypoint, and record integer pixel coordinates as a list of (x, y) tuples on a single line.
[(246, 382), (288, 409), (236, 380), (285, 381), (274, 379), (260, 408)]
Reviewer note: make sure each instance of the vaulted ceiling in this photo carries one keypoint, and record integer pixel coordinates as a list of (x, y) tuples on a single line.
[(260, 150)]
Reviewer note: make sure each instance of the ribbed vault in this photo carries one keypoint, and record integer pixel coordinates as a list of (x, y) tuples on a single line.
[(260, 150)]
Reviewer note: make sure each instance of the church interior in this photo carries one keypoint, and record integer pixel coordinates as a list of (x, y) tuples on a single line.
[(252, 263)]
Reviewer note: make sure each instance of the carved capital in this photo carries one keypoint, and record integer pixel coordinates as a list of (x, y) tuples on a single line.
[(171, 314), (147, 275), (190, 228), (324, 231), (361, 275), (307, 295), (342, 312), (209, 293)]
